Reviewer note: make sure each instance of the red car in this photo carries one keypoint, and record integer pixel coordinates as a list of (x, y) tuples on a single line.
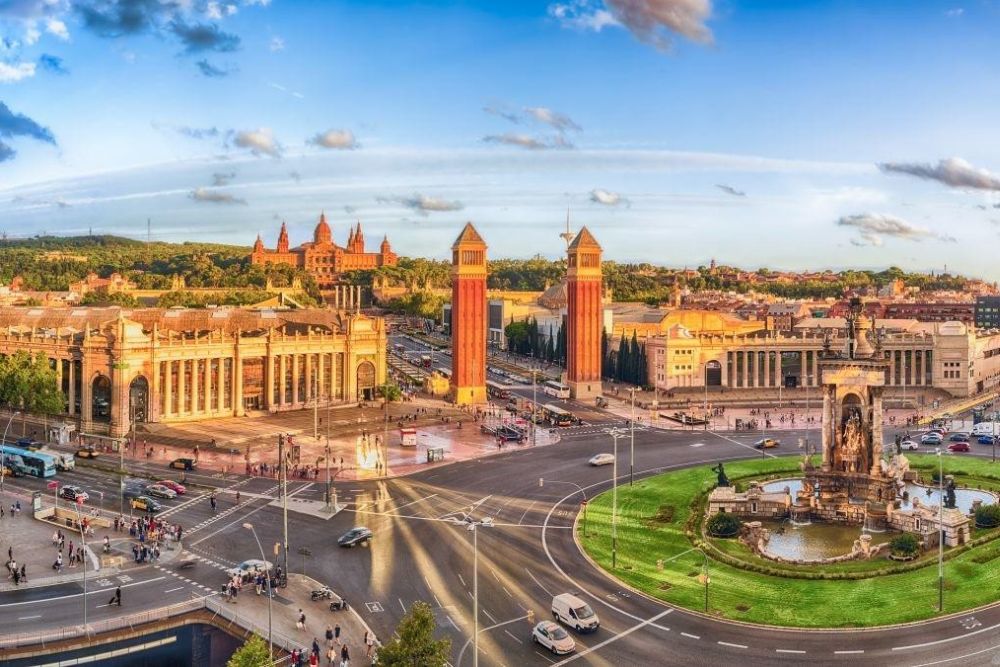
[(174, 486), (959, 447)]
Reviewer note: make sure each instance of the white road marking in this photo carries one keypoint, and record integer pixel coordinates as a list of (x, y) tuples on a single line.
[(76, 595), (25, 618), (537, 582), (741, 444), (401, 604), (732, 645), (452, 621), (507, 632), (958, 657), (949, 639), (436, 601), (171, 590), (527, 510), (489, 615), (507, 592), (787, 650), (545, 656), (620, 635), (852, 652), (690, 636), (462, 580)]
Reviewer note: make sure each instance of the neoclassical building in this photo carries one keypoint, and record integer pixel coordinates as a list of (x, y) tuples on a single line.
[(116, 365), (323, 258)]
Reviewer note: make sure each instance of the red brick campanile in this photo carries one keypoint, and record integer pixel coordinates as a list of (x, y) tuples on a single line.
[(584, 316), (468, 317)]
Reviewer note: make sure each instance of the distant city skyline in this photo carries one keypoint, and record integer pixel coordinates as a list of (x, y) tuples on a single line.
[(827, 135)]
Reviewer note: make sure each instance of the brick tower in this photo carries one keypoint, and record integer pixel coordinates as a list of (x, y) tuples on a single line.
[(468, 317), (584, 316)]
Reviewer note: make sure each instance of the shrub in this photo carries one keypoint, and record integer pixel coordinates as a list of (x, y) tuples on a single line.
[(724, 524), (988, 516), (906, 544)]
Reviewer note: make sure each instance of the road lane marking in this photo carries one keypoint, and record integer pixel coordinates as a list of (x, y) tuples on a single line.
[(76, 595), (25, 618), (787, 650), (690, 636), (507, 592), (462, 580), (537, 582), (958, 657), (482, 630), (438, 602), (732, 645), (741, 444), (948, 639), (507, 632), (171, 590), (550, 660), (489, 615), (401, 604), (620, 635), (851, 652)]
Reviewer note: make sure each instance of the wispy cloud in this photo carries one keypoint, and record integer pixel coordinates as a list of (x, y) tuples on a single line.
[(335, 139), (872, 228), (559, 121), (527, 141), (259, 142), (200, 133), (295, 176), (14, 72), (607, 197), (200, 37), (215, 197), (214, 72), (222, 178), (276, 44), (500, 111), (955, 172), (654, 22), (422, 204), (278, 86), (955, 12), (730, 190), (53, 64), (18, 125)]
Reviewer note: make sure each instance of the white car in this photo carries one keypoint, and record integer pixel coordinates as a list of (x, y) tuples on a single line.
[(553, 637), (602, 459), (251, 566), (909, 445)]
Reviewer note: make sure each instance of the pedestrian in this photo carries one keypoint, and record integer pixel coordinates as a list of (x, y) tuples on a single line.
[(345, 656), (336, 634), (313, 660), (315, 647), (24, 572), (116, 599), (329, 634), (369, 643), (237, 497), (301, 623)]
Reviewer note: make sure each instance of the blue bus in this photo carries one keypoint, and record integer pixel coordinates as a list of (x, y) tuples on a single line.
[(35, 463)]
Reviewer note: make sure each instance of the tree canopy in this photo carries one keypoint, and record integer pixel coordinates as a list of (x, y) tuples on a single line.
[(414, 644), (253, 653), (29, 383)]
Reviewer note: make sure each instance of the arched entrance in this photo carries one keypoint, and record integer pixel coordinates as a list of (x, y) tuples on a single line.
[(138, 400), (366, 381), (713, 374), (100, 392)]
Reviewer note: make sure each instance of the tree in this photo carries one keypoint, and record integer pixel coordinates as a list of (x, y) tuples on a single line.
[(988, 516), (29, 382), (724, 524), (391, 392), (414, 644), (904, 545), (253, 653)]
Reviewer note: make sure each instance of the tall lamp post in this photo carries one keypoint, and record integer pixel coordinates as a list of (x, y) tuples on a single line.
[(3, 457), (940, 531), (83, 539), (473, 526), (270, 648), (615, 433), (631, 446)]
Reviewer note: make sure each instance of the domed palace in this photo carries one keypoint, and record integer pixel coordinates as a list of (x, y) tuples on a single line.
[(322, 258)]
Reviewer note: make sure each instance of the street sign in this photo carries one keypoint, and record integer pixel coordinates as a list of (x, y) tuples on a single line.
[(51, 486)]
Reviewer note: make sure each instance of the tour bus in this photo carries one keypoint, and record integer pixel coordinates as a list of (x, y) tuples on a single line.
[(35, 463), (555, 389), (557, 416), (496, 390)]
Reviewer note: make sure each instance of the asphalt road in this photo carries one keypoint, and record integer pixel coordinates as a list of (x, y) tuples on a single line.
[(418, 553)]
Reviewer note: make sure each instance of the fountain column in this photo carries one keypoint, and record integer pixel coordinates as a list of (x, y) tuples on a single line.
[(877, 442), (828, 425)]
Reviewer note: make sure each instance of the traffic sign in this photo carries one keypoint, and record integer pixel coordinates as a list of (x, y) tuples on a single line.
[(52, 486)]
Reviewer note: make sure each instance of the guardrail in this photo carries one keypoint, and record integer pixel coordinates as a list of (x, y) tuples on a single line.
[(232, 614)]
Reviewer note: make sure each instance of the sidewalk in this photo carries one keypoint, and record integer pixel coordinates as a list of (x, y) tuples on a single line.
[(251, 609), (30, 542)]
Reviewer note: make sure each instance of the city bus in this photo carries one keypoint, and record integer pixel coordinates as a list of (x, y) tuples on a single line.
[(555, 389), (35, 463), (496, 390), (557, 416)]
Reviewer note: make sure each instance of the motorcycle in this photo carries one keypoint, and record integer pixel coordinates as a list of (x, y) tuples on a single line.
[(338, 605), (322, 594)]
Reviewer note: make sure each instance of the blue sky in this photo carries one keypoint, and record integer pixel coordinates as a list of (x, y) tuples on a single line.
[(842, 133)]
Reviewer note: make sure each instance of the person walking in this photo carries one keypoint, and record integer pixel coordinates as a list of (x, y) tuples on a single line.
[(336, 634), (301, 623), (116, 599), (345, 656), (315, 647), (211, 500), (369, 643)]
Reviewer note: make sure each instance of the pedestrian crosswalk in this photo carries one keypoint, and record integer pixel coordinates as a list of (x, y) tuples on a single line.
[(593, 429)]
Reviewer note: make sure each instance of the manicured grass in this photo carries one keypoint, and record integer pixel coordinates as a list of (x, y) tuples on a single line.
[(652, 516)]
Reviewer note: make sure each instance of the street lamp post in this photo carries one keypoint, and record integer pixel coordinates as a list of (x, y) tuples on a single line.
[(534, 407), (83, 539), (270, 648), (940, 531), (631, 435), (473, 527), (615, 434), (3, 457)]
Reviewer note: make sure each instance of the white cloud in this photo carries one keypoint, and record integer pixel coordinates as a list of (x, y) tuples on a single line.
[(873, 227), (335, 139), (215, 197), (527, 141), (31, 33), (954, 171), (276, 44), (423, 204), (954, 13), (559, 121), (57, 28), (651, 21), (14, 72), (606, 197), (260, 142)]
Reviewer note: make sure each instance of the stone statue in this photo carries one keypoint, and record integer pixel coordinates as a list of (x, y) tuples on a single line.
[(853, 444), (949, 493), (721, 472)]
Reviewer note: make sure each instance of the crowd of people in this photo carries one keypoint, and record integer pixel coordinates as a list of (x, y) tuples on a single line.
[(337, 653)]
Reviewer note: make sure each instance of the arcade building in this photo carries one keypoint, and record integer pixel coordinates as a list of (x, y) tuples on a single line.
[(117, 365), (323, 259)]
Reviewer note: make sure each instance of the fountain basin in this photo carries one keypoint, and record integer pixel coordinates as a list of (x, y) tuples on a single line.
[(813, 542), (964, 497)]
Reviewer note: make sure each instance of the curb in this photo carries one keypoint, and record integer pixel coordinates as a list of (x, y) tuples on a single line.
[(350, 607)]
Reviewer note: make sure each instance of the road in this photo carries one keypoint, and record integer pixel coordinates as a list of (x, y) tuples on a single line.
[(419, 554)]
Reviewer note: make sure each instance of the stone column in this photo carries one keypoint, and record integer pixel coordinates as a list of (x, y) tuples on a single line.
[(181, 393), (321, 360), (268, 380), (155, 390), (295, 380), (86, 396), (220, 384), (333, 375), (195, 363), (282, 378), (803, 369), (744, 362), (778, 379), (877, 442), (309, 377), (72, 385), (238, 384), (168, 389), (828, 423), (208, 386)]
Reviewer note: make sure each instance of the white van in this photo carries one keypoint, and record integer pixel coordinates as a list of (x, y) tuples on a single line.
[(985, 428), (63, 461), (574, 612)]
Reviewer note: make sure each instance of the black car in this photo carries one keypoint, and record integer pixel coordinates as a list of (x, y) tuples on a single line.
[(355, 536), (959, 437), (184, 464), (72, 493)]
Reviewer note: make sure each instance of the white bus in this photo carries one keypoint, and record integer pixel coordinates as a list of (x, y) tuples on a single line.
[(497, 390), (555, 389), (557, 416)]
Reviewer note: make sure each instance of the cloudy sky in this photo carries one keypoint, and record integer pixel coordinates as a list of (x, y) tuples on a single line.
[(831, 134)]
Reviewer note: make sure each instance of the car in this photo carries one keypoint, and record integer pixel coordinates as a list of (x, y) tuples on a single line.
[(355, 536), (251, 566), (766, 443), (574, 612), (70, 492), (601, 459), (985, 440), (87, 453), (553, 637), (30, 444), (959, 437), (958, 447), (176, 487), (160, 491), (184, 464), (931, 439), (909, 445), (146, 504)]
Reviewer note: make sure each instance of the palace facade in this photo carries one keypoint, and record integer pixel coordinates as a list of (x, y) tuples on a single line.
[(323, 258), (116, 365)]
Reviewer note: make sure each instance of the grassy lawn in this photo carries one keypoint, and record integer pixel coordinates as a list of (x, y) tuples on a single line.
[(651, 525)]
